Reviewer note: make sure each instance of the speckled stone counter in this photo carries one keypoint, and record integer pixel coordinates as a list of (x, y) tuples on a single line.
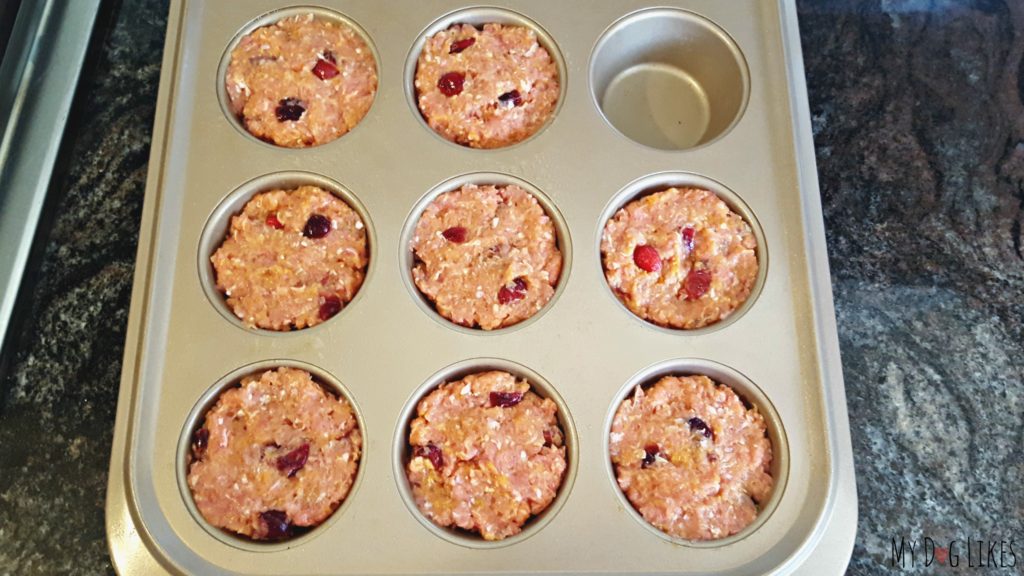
[(919, 127)]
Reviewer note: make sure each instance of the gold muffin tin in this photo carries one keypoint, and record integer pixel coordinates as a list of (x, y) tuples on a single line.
[(691, 92)]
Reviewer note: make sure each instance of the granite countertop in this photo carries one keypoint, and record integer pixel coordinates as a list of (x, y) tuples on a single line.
[(919, 129)]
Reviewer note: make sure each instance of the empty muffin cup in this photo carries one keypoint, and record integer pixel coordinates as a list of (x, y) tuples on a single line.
[(669, 79)]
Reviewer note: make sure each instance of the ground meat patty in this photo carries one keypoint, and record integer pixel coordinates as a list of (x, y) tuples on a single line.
[(486, 256), (679, 258), (275, 453), (301, 81), (487, 454), (486, 88), (691, 458), (292, 258)]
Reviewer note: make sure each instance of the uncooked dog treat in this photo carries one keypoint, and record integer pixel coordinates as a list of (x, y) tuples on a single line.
[(301, 81), (291, 259), (486, 454), (679, 258), (275, 454), (488, 87), (486, 256), (691, 457)]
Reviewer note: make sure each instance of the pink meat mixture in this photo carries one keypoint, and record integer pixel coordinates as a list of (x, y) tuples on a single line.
[(680, 258), (486, 88), (275, 454), (692, 458), (486, 256), (487, 454), (292, 259), (301, 81)]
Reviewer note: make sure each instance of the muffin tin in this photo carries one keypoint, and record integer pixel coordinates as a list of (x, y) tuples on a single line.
[(723, 107)]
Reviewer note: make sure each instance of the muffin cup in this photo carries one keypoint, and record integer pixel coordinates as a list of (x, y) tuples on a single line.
[(198, 414), (219, 223), (401, 452), (750, 394)]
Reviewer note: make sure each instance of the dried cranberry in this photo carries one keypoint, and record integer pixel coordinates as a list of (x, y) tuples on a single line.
[(511, 99), (289, 109), (324, 69), (650, 454), (698, 425), (451, 83), (646, 258), (456, 234), (549, 437), (697, 283), (293, 461), (516, 292), (688, 233), (460, 45), (200, 440), (330, 307), (506, 399), (277, 524), (432, 453), (317, 226), (273, 222)]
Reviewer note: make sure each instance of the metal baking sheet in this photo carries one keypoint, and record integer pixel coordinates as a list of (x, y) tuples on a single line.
[(585, 350)]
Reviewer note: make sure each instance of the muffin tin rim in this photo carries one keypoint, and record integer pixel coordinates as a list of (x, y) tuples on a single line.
[(208, 399), (748, 391), (538, 385)]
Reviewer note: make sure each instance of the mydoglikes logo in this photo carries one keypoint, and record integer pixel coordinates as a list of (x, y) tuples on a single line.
[(966, 553)]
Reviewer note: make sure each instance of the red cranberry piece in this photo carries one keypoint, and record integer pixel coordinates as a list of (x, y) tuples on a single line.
[(698, 425), (330, 307), (432, 453), (697, 283), (289, 110), (277, 524), (317, 226), (199, 441), (293, 461), (511, 99), (516, 292), (451, 83), (646, 258), (505, 399), (273, 222), (324, 69), (456, 234), (688, 233), (650, 454), (549, 438), (460, 45)]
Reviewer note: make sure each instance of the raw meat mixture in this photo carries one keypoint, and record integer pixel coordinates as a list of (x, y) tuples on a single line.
[(291, 259), (486, 256), (486, 88), (301, 81), (273, 454), (680, 258), (487, 454), (691, 458)]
